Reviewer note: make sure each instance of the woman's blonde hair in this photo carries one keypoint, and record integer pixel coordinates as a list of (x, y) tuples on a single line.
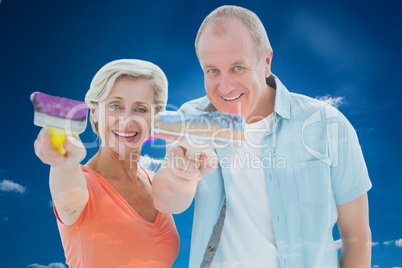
[(105, 78)]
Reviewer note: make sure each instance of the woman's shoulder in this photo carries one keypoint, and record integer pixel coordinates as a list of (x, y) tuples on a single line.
[(93, 178), (88, 171)]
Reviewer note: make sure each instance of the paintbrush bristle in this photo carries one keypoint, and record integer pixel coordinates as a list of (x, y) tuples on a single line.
[(235, 122), (213, 126), (58, 106), (52, 111)]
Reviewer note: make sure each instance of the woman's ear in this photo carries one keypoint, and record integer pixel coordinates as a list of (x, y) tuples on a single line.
[(94, 113)]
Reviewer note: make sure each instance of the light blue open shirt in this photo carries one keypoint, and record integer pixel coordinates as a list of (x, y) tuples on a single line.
[(313, 163)]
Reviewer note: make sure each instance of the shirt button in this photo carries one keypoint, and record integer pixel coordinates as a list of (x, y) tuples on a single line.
[(223, 207), (211, 248)]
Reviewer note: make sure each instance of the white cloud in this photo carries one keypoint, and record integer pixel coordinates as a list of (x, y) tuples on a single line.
[(150, 163), (398, 243), (50, 265), (338, 244), (334, 101), (9, 186)]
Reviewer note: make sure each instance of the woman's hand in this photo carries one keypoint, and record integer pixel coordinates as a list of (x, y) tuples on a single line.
[(182, 167), (48, 154), (175, 183)]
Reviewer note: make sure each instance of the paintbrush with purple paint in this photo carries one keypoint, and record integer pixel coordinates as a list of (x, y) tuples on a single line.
[(60, 115)]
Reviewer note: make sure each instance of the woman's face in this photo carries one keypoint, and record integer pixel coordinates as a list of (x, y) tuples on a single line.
[(124, 117)]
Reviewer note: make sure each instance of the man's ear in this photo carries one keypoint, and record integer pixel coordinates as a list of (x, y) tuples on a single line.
[(268, 60)]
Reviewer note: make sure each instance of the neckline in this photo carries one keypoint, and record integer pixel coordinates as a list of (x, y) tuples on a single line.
[(118, 195), (266, 120)]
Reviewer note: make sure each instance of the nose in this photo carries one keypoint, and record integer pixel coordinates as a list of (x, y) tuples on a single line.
[(127, 119), (225, 84)]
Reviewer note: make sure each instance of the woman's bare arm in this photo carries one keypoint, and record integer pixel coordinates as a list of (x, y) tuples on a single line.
[(67, 182)]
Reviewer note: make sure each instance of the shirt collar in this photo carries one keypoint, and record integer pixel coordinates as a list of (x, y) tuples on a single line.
[(282, 101), (206, 106)]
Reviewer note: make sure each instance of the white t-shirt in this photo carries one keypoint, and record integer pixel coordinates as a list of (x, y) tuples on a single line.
[(248, 238)]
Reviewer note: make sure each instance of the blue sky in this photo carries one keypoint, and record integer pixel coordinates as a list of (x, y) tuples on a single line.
[(341, 49)]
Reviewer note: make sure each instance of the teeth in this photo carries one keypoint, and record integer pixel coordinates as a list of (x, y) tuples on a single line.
[(124, 135), (232, 98)]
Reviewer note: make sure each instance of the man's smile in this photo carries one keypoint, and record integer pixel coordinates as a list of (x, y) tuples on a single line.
[(232, 98)]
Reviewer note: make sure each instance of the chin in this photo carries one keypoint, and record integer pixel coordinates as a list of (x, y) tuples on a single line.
[(232, 108), (127, 152), (227, 110)]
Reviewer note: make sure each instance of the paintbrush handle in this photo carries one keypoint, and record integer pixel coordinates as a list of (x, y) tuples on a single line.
[(57, 138)]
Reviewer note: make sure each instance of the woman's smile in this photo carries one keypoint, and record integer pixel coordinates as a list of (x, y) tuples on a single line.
[(125, 136)]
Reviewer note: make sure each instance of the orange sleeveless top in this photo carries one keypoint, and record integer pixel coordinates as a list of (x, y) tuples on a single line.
[(110, 234)]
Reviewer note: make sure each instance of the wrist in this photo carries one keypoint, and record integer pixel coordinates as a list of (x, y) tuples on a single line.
[(183, 185), (66, 167)]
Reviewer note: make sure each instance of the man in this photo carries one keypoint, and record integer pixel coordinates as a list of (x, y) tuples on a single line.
[(274, 201)]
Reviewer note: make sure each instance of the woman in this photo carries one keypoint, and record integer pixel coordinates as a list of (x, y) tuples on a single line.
[(104, 209)]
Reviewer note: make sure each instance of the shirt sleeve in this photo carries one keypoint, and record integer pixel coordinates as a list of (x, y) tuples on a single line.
[(349, 175)]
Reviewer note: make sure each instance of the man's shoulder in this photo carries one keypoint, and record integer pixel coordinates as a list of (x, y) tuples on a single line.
[(304, 99), (302, 103), (303, 107)]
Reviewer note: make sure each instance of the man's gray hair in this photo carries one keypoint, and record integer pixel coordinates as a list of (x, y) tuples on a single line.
[(251, 21)]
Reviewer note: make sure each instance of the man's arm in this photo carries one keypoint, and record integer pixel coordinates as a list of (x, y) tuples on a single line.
[(175, 183), (353, 225)]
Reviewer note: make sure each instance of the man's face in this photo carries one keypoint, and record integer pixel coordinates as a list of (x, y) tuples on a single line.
[(233, 75)]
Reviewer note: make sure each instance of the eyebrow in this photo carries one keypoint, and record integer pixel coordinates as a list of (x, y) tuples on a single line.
[(120, 98), (209, 66), (116, 97), (239, 62)]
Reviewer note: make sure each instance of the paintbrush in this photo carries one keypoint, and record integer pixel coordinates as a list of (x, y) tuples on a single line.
[(196, 132), (60, 115)]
